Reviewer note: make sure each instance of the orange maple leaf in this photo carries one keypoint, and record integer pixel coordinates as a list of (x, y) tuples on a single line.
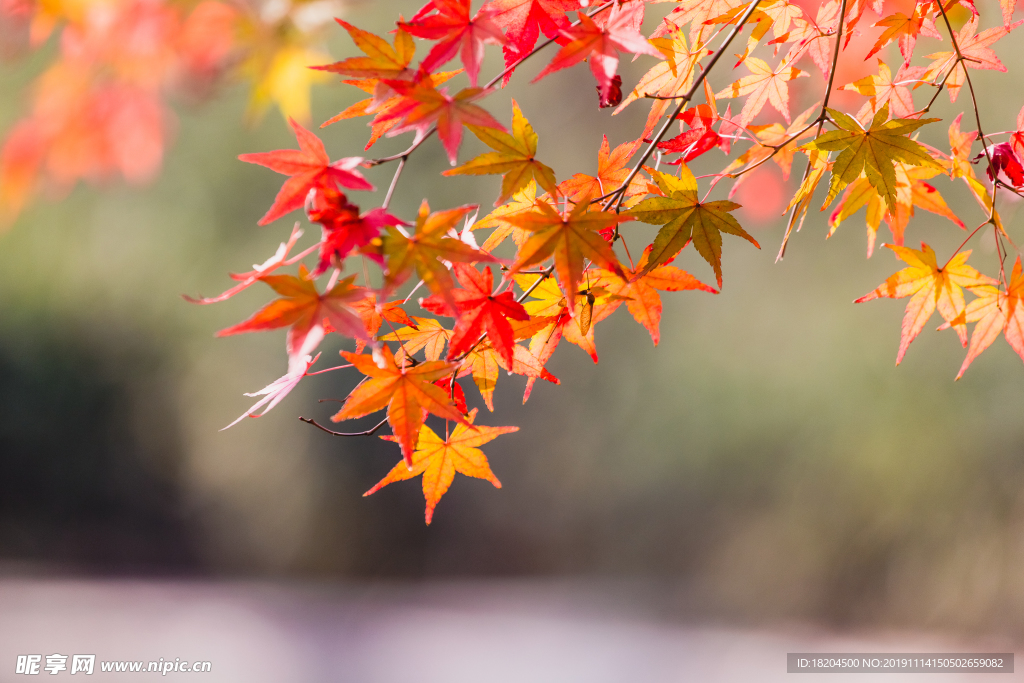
[(569, 238), (438, 460), (904, 30), (612, 171), (304, 309), (426, 334), (382, 105), (381, 60), (406, 391)]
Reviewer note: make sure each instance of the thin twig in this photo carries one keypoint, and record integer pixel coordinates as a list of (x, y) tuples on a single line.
[(368, 432), (394, 183)]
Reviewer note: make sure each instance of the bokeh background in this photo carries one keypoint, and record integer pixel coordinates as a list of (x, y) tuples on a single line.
[(765, 466)]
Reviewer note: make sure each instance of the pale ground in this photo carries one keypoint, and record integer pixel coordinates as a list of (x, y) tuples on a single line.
[(519, 632)]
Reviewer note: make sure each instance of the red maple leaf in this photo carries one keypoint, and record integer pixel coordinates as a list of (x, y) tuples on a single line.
[(344, 230), (479, 311), (1006, 163), (455, 32), (457, 393), (699, 139), (422, 105), (524, 20), (309, 168), (600, 45)]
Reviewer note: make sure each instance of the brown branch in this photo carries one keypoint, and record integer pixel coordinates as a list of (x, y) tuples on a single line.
[(368, 432)]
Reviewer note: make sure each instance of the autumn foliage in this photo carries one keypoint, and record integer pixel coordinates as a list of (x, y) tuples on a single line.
[(455, 296), (100, 109)]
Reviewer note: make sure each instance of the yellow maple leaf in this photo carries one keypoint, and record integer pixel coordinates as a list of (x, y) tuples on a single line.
[(513, 157)]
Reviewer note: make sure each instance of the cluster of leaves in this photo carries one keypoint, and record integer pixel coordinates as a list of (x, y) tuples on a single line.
[(99, 108), (571, 266)]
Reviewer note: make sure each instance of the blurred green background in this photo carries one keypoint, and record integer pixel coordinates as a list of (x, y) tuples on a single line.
[(767, 462)]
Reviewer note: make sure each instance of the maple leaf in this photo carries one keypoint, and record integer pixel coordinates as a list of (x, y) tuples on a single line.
[(667, 78), (699, 139), (513, 157), (568, 238), (904, 30), (276, 391), (960, 150), (381, 60), (873, 151), (383, 102), (975, 48), (884, 89), (522, 202), (600, 45), (406, 391), (640, 292), (929, 288), (765, 84), (813, 37), (344, 230), (421, 105), (425, 250), (524, 20), (303, 308), (373, 314), (684, 218), (479, 311), (995, 312), (612, 171), (1006, 164), (456, 392), (438, 461), (428, 334), (1016, 137), (454, 31), (310, 168)]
